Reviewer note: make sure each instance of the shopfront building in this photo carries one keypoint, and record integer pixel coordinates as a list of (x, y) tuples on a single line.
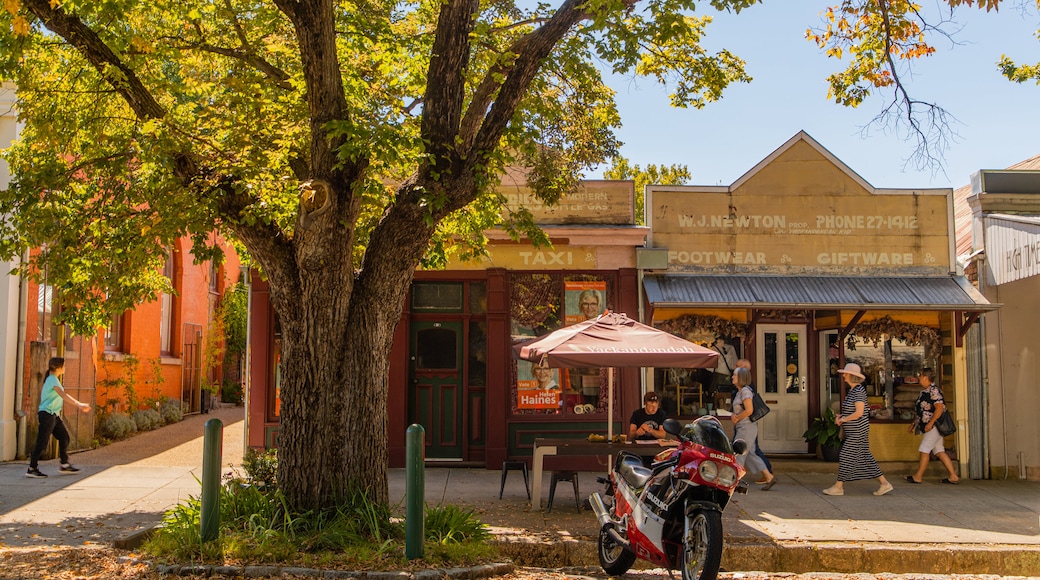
[(1005, 222), (452, 368), (801, 266)]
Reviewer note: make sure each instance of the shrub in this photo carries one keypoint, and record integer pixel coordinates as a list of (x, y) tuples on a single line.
[(117, 426), (231, 392), (147, 419), (171, 411), (257, 526), (261, 466), (450, 524)]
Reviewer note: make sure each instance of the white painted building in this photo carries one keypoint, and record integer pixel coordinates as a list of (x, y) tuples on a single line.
[(1004, 238)]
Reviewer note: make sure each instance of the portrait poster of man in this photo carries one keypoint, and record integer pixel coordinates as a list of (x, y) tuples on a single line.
[(537, 386), (583, 300)]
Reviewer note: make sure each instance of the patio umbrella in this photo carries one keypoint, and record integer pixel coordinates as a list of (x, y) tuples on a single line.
[(614, 340)]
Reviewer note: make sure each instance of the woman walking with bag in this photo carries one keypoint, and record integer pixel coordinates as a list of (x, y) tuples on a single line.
[(855, 460), (929, 407), (743, 406)]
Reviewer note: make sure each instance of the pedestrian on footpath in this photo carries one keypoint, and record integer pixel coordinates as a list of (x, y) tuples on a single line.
[(746, 364), (929, 407), (855, 461), (743, 407), (52, 399)]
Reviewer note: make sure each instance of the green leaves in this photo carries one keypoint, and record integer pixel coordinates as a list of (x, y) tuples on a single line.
[(241, 121)]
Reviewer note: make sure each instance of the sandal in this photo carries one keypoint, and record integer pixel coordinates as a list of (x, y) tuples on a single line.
[(910, 479), (769, 484), (947, 480)]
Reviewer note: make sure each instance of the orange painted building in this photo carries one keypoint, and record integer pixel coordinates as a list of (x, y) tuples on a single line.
[(161, 343)]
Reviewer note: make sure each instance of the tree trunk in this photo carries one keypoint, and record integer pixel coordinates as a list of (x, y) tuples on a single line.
[(337, 332), (333, 414)]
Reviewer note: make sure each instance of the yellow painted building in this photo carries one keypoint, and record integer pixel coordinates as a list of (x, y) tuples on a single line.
[(801, 266)]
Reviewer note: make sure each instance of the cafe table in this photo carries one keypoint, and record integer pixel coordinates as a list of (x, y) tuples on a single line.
[(584, 447)]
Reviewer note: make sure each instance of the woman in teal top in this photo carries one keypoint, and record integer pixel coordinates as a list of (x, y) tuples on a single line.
[(52, 399)]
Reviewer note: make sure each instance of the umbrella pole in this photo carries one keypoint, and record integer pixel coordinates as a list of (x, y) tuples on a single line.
[(610, 404)]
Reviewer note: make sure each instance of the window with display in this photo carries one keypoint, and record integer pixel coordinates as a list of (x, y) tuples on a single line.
[(891, 367), (540, 304)]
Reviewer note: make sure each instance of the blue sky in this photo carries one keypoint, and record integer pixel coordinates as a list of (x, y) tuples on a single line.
[(998, 122)]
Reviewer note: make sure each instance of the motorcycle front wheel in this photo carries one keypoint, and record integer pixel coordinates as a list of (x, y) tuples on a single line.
[(702, 545), (613, 557)]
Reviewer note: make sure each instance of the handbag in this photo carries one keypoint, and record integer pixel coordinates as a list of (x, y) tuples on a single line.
[(945, 424), (760, 408)]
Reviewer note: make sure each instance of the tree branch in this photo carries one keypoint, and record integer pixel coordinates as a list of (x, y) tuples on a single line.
[(246, 55), (533, 48), (931, 137), (99, 55), (446, 79)]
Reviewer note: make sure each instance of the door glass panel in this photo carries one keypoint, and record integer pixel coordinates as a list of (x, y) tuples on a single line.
[(770, 347), (794, 371), (477, 353), (436, 349)]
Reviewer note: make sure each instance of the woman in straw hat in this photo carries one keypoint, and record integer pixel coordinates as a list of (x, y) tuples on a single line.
[(855, 461)]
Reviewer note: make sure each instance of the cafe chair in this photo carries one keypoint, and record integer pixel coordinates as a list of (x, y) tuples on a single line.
[(571, 476), (507, 466)]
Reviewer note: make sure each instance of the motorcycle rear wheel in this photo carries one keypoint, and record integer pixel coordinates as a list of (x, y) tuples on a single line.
[(702, 545), (613, 557)]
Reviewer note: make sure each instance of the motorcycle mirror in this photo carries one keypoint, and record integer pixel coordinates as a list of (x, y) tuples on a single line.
[(672, 426), (739, 447)]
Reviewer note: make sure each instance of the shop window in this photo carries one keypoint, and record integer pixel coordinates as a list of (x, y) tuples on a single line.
[(685, 392), (540, 304), (167, 308), (214, 276), (114, 334), (437, 297), (891, 368), (47, 310)]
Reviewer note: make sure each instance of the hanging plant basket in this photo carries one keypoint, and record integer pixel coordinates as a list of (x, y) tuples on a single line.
[(877, 331), (693, 327)]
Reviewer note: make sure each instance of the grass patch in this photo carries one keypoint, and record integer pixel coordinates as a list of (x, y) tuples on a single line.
[(256, 527)]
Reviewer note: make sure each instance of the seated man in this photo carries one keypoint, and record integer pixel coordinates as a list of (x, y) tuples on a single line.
[(646, 423)]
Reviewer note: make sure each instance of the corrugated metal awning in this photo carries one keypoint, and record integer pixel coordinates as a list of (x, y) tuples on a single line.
[(814, 292)]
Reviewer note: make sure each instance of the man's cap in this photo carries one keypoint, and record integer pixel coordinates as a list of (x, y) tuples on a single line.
[(651, 396)]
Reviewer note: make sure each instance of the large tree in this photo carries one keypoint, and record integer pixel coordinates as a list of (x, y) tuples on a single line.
[(343, 143)]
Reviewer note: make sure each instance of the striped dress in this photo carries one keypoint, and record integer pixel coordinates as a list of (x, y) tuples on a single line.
[(855, 460)]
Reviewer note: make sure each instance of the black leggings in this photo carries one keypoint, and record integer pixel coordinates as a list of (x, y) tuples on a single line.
[(50, 424)]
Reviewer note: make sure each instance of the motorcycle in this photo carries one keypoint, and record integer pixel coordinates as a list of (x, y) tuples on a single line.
[(670, 513)]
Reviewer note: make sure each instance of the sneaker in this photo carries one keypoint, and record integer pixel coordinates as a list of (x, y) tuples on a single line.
[(834, 490), (35, 472), (883, 489), (68, 468)]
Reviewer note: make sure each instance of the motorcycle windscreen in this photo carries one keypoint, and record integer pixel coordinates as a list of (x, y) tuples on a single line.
[(708, 434)]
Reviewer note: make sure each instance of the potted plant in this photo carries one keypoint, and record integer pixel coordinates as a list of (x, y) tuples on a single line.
[(825, 433)]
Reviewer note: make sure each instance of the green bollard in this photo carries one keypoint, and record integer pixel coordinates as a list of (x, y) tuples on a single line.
[(212, 448), (415, 493)]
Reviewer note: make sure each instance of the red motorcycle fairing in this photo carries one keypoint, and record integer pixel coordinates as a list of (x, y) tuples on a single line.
[(645, 527), (670, 515)]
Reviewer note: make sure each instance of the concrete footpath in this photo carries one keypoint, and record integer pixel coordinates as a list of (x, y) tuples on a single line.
[(976, 527)]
